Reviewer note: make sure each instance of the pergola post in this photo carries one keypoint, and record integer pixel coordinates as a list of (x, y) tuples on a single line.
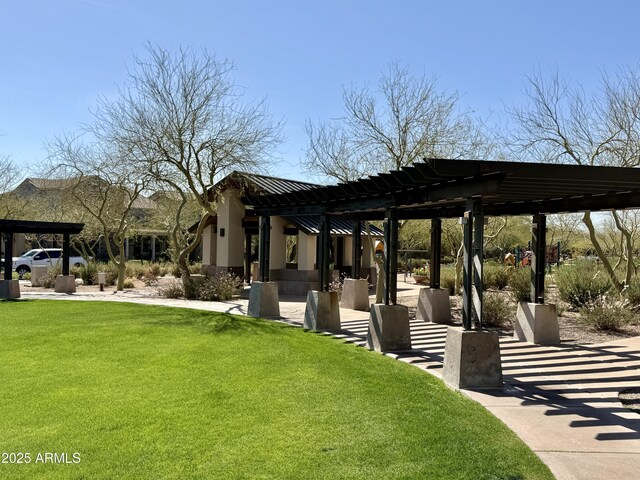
[(538, 260), (324, 249), (436, 250), (247, 258), (356, 249), (8, 254), (391, 257), (536, 321), (433, 302), (472, 357), (65, 254), (263, 296), (265, 235), (389, 323), (473, 222), (322, 311)]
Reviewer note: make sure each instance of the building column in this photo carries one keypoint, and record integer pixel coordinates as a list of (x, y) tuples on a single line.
[(306, 252), (153, 248)]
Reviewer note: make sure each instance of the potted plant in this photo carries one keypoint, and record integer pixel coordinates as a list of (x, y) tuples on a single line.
[(421, 274)]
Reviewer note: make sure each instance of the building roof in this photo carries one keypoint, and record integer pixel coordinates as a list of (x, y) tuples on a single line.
[(254, 184), (441, 187), (28, 226), (310, 225)]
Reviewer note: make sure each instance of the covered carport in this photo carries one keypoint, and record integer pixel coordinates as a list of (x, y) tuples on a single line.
[(466, 189), (8, 228)]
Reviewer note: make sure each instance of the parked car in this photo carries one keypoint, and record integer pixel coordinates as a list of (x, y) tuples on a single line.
[(42, 256)]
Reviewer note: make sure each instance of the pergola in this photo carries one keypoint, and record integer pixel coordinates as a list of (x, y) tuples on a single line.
[(467, 189), (10, 227)]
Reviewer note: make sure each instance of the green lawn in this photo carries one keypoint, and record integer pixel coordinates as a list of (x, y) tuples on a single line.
[(151, 392)]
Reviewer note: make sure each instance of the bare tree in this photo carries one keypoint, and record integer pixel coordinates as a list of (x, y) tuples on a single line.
[(184, 120), (404, 119), (106, 184), (10, 205), (562, 124)]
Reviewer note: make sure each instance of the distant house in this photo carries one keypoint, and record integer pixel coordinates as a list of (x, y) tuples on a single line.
[(145, 244), (228, 239)]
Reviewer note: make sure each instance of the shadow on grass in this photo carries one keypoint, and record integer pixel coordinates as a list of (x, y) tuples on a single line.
[(217, 323)]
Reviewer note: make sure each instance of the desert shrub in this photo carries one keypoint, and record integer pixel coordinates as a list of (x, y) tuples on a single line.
[(222, 286), (632, 292), (134, 269), (605, 313), (174, 269), (496, 276), (111, 273), (153, 270), (195, 267), (171, 289), (497, 310), (520, 284), (88, 273), (581, 283), (48, 280), (448, 280), (128, 283)]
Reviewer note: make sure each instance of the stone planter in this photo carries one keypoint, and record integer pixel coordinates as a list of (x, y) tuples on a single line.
[(421, 278)]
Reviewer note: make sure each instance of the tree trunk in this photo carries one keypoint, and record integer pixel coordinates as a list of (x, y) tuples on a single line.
[(586, 219), (187, 281), (121, 273)]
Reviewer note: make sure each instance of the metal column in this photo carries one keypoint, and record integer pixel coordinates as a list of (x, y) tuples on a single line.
[(265, 237), (324, 247), (436, 250), (247, 258), (538, 259), (356, 252), (65, 254), (8, 254), (473, 222), (391, 257)]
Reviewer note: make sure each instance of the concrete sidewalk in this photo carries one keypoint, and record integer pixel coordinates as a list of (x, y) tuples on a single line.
[(561, 400)]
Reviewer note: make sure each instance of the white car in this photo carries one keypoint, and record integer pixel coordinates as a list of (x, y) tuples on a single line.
[(42, 256)]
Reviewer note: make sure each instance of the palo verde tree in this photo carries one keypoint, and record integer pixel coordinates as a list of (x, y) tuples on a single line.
[(10, 205), (563, 124), (404, 119), (184, 121), (102, 179)]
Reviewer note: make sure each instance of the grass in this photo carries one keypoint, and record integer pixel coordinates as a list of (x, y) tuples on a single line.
[(153, 392)]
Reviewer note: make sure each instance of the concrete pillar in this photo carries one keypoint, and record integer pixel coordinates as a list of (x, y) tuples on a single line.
[(277, 245), (230, 241), (388, 328), (355, 294), (263, 300), (322, 311), (434, 306), (9, 289), (65, 284), (537, 323), (472, 359), (153, 248), (306, 251)]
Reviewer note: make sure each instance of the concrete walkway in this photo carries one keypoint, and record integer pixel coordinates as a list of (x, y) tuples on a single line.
[(561, 400)]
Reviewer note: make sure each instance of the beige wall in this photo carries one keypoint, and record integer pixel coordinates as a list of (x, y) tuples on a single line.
[(230, 248), (306, 251), (209, 246), (278, 245)]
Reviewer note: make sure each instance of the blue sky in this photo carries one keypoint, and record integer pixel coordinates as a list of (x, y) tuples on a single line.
[(58, 56)]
